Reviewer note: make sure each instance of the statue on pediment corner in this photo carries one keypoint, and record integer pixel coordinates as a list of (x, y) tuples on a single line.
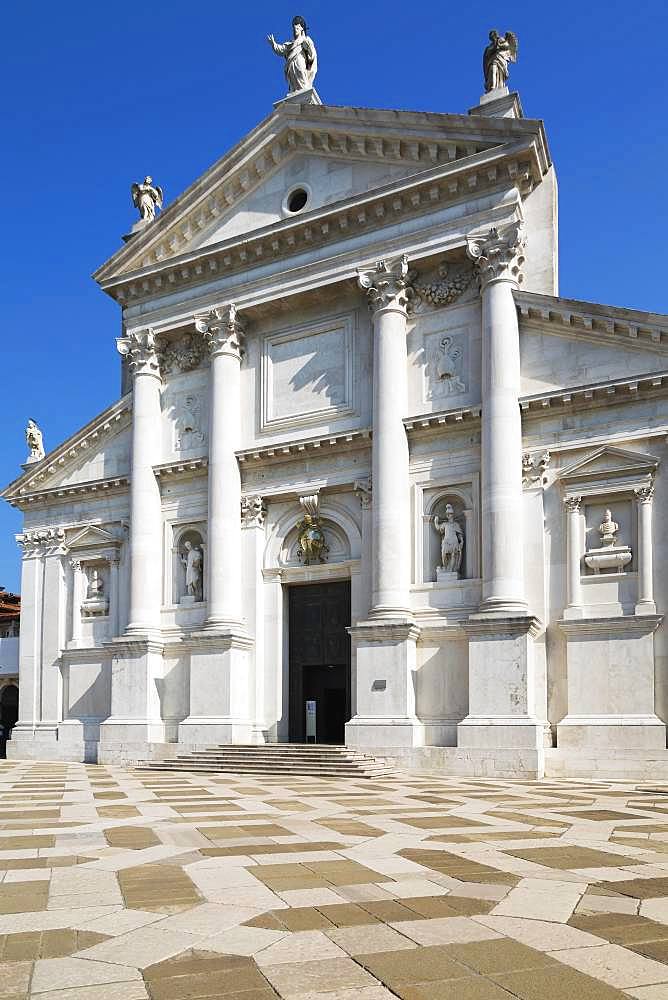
[(146, 197), (301, 59), (501, 51), (35, 443)]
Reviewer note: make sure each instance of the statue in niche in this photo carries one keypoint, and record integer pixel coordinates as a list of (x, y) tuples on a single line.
[(35, 442), (501, 51), (448, 367), (608, 529), (95, 590), (146, 197), (452, 541), (188, 430), (301, 60), (192, 560)]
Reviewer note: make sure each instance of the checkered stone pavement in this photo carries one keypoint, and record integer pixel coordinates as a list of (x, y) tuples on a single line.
[(127, 885)]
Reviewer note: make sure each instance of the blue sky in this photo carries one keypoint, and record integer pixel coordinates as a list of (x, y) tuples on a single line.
[(97, 95)]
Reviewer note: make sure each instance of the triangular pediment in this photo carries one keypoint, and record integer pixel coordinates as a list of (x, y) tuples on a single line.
[(98, 453), (91, 537), (609, 462), (338, 153)]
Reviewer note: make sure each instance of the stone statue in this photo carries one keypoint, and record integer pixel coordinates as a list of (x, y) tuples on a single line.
[(35, 443), (192, 560), (301, 60), (448, 366), (608, 529), (95, 586), (188, 430), (146, 197), (452, 540), (502, 49)]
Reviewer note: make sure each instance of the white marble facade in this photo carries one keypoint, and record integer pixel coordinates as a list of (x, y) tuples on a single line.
[(397, 348)]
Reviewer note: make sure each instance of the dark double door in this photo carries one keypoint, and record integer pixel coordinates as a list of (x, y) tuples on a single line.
[(319, 661)]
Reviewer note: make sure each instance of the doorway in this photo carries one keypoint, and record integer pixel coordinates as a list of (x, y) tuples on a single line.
[(319, 651)]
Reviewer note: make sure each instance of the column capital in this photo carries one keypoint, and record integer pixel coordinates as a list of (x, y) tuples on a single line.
[(572, 504), (387, 285), (499, 256), (140, 348), (644, 494), (253, 512), (223, 331)]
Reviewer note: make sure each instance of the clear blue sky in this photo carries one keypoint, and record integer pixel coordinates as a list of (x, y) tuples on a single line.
[(97, 95)]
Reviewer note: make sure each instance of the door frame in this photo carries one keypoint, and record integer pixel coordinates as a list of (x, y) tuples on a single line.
[(296, 685)]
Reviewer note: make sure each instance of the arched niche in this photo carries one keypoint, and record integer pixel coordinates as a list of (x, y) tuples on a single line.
[(341, 533), (435, 503), (187, 537)]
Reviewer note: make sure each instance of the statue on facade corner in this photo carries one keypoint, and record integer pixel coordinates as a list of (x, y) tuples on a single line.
[(501, 51), (452, 540), (301, 59), (35, 442), (146, 197)]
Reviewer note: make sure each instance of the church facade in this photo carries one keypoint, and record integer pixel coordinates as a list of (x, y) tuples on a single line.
[(370, 479)]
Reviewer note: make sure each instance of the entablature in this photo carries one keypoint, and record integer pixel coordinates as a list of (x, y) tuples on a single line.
[(606, 393)]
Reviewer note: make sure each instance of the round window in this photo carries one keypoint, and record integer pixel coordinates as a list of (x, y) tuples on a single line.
[(297, 200)]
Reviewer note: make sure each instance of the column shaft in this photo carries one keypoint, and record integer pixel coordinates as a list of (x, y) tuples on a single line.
[(574, 584), (77, 597), (645, 566)]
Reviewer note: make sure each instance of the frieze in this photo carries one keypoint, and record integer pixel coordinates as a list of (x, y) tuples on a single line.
[(445, 286), (182, 355)]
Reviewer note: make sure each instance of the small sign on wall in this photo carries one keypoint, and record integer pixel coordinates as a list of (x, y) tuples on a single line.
[(310, 721)]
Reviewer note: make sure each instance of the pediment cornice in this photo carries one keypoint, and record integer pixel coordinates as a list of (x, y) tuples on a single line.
[(419, 140), (517, 164), (35, 480)]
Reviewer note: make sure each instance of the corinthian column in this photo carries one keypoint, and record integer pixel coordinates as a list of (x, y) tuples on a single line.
[(499, 257), (145, 508), (387, 294), (645, 605), (223, 332)]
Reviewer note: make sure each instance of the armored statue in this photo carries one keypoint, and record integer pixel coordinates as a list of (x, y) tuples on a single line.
[(35, 443), (608, 529), (146, 197), (301, 60), (501, 51), (452, 540), (192, 560)]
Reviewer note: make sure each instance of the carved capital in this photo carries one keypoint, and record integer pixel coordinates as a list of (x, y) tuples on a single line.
[(45, 542), (572, 504), (140, 348), (223, 331), (534, 468), (644, 494), (387, 286), (253, 512), (363, 491), (499, 255)]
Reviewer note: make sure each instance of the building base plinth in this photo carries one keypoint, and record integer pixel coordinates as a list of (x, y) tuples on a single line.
[(608, 733), (200, 732), (219, 689), (372, 732), (38, 743)]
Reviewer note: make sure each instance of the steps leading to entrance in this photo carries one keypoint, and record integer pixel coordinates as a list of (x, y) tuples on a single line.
[(319, 761)]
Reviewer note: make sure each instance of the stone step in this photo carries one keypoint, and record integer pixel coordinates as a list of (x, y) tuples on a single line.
[(316, 760)]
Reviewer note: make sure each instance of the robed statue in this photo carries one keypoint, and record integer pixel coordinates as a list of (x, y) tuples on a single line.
[(301, 60), (34, 442), (501, 51), (192, 561), (146, 197)]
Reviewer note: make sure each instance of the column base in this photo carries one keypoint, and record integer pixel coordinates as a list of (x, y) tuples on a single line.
[(610, 732), (374, 731), (201, 732), (127, 741), (38, 743)]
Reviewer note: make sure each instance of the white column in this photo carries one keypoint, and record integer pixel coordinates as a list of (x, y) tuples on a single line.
[(77, 597), (499, 258), (573, 557), (386, 291), (145, 505), (224, 334), (113, 597), (645, 498)]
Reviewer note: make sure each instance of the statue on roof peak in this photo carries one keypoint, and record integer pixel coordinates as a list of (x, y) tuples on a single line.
[(301, 59), (502, 49), (146, 197)]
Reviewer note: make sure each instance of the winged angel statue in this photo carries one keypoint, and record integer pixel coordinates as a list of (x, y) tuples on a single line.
[(146, 197), (501, 51)]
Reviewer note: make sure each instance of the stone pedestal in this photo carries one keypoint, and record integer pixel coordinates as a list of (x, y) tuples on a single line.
[(220, 690), (610, 668), (135, 721), (308, 96), (503, 684), (386, 664)]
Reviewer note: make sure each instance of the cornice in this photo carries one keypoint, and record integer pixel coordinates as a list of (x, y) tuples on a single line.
[(596, 394), (420, 138), (515, 164), (187, 467), (35, 479), (40, 498), (612, 323), (443, 418), (297, 449), (602, 628)]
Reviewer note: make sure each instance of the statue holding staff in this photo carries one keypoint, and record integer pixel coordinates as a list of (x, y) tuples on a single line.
[(301, 60), (146, 197)]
